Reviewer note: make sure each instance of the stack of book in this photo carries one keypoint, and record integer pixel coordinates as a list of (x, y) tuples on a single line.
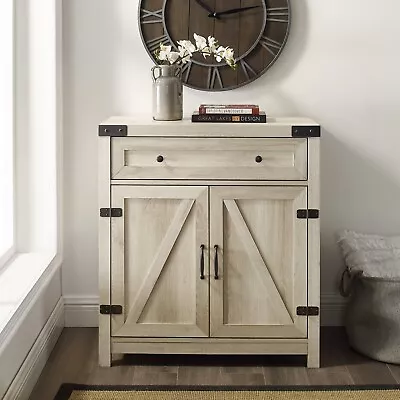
[(236, 113)]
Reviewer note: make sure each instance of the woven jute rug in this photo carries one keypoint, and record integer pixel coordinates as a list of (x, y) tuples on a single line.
[(83, 392)]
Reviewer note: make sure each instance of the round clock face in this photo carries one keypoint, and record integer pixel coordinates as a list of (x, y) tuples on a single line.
[(255, 29)]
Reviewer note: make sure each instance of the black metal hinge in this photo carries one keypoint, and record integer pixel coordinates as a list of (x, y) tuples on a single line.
[(110, 309), (303, 310), (110, 212), (310, 213), (306, 131), (113, 130)]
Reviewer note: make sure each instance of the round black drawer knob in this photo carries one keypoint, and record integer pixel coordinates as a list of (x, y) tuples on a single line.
[(160, 159), (258, 159)]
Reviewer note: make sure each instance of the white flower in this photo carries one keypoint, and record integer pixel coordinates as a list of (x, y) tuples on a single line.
[(173, 56), (187, 45), (186, 49), (182, 51), (228, 53), (225, 53), (212, 44), (164, 52), (219, 53), (201, 42)]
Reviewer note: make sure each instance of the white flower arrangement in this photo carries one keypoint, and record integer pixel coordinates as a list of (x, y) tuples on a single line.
[(186, 48)]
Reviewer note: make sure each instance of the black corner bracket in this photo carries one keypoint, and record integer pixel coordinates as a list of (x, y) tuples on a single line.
[(307, 311), (109, 309), (310, 213), (110, 212), (113, 130), (306, 131)]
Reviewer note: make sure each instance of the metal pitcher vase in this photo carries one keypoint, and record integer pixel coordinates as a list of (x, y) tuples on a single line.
[(167, 93)]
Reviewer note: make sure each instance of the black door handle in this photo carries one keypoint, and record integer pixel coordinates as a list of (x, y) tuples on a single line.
[(202, 262), (216, 262)]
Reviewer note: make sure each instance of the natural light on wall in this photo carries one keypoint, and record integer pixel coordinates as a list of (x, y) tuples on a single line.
[(30, 152), (7, 131)]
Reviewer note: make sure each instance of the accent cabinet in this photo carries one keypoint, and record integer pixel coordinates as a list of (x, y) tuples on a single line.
[(209, 238)]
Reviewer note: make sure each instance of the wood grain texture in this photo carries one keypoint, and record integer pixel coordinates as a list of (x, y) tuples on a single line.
[(290, 376), (227, 32), (74, 359), (334, 368), (263, 248), (364, 371), (250, 29), (296, 346), (199, 23), (156, 266), (395, 371), (157, 277), (254, 295), (242, 31), (152, 33), (145, 126), (260, 272), (314, 266), (136, 158), (199, 375), (169, 182), (104, 240), (228, 341)]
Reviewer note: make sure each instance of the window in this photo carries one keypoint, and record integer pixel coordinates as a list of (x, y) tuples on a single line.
[(30, 152), (7, 131)]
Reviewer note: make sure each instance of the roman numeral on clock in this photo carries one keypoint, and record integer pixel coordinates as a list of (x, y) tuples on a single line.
[(248, 71), (154, 44), (214, 75), (151, 17), (272, 46), (278, 14)]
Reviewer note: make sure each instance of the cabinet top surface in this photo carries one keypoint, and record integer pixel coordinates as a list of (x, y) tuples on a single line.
[(146, 126)]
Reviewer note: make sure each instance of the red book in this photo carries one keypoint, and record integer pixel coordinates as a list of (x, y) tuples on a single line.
[(251, 109)]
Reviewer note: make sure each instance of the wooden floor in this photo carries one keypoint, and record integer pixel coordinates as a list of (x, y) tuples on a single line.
[(74, 359)]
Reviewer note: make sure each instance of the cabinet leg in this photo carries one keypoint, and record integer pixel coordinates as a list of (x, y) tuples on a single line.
[(104, 349), (105, 341), (313, 355), (313, 361), (104, 358)]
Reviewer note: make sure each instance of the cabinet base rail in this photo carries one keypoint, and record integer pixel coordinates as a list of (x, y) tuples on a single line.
[(204, 346)]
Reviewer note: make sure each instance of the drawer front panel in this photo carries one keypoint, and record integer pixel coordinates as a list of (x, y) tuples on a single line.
[(209, 158)]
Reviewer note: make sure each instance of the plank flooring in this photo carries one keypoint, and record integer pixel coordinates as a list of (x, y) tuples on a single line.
[(74, 359)]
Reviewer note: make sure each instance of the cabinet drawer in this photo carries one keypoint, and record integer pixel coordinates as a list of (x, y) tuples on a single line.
[(209, 158)]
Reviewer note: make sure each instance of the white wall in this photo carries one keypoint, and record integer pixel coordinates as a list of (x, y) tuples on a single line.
[(339, 67)]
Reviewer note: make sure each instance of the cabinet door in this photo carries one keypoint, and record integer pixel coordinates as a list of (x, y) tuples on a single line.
[(156, 256), (262, 261)]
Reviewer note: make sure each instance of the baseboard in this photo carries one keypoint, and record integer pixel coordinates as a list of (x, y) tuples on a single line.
[(28, 374), (332, 309), (83, 311)]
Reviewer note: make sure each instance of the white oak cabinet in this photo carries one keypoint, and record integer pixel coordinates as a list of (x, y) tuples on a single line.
[(209, 238)]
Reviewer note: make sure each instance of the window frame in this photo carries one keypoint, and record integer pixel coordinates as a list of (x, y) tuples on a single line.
[(10, 251), (38, 150)]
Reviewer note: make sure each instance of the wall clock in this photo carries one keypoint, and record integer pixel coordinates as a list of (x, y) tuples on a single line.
[(257, 30)]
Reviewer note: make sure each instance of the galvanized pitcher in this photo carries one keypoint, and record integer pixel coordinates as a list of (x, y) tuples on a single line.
[(167, 93)]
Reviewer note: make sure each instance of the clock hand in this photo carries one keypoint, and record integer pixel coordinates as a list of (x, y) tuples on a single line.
[(207, 8), (232, 11)]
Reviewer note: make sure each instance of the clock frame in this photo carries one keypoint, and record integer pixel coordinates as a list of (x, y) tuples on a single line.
[(257, 36)]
